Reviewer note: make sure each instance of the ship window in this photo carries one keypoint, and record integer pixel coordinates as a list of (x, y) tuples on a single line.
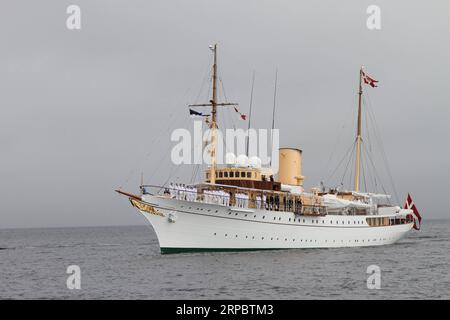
[(242, 174), (216, 174), (220, 174), (231, 174), (225, 174), (207, 176), (249, 174)]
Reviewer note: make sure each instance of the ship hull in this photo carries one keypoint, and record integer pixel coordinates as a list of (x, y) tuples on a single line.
[(183, 226)]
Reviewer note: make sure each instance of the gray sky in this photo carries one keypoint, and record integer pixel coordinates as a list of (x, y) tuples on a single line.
[(80, 109)]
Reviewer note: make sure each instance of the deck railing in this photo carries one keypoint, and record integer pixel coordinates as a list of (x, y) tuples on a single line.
[(236, 198)]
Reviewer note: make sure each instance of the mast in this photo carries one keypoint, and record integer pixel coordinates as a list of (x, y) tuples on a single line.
[(358, 134), (214, 118), (213, 123), (273, 111), (250, 114)]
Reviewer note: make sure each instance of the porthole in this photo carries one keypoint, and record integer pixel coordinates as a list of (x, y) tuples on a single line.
[(226, 235), (215, 233), (262, 238), (264, 217), (236, 236)]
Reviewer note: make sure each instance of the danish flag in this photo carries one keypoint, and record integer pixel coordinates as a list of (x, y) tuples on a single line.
[(409, 204), (368, 80)]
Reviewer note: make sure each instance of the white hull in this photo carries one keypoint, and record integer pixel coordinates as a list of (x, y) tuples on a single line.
[(195, 226)]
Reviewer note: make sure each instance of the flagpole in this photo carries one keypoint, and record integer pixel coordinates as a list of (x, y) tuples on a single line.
[(358, 134), (250, 113)]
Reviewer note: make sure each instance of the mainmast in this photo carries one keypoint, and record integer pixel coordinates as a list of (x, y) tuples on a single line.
[(358, 133)]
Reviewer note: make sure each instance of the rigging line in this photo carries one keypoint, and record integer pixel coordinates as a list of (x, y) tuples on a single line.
[(375, 170), (166, 153), (339, 136), (364, 175), (173, 170), (341, 161), (273, 111), (140, 162), (250, 114), (352, 173), (227, 110), (206, 78), (348, 162), (383, 152), (193, 173)]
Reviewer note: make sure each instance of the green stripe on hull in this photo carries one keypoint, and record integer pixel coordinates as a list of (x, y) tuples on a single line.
[(185, 250)]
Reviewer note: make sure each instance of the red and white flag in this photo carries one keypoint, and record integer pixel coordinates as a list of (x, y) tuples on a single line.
[(409, 204), (243, 116), (369, 80)]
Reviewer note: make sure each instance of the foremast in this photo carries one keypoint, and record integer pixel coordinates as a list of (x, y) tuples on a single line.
[(213, 123)]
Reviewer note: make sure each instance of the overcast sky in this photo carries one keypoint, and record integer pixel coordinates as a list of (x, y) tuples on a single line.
[(84, 111)]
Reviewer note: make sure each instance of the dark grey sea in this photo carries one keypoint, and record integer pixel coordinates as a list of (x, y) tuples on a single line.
[(125, 263)]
